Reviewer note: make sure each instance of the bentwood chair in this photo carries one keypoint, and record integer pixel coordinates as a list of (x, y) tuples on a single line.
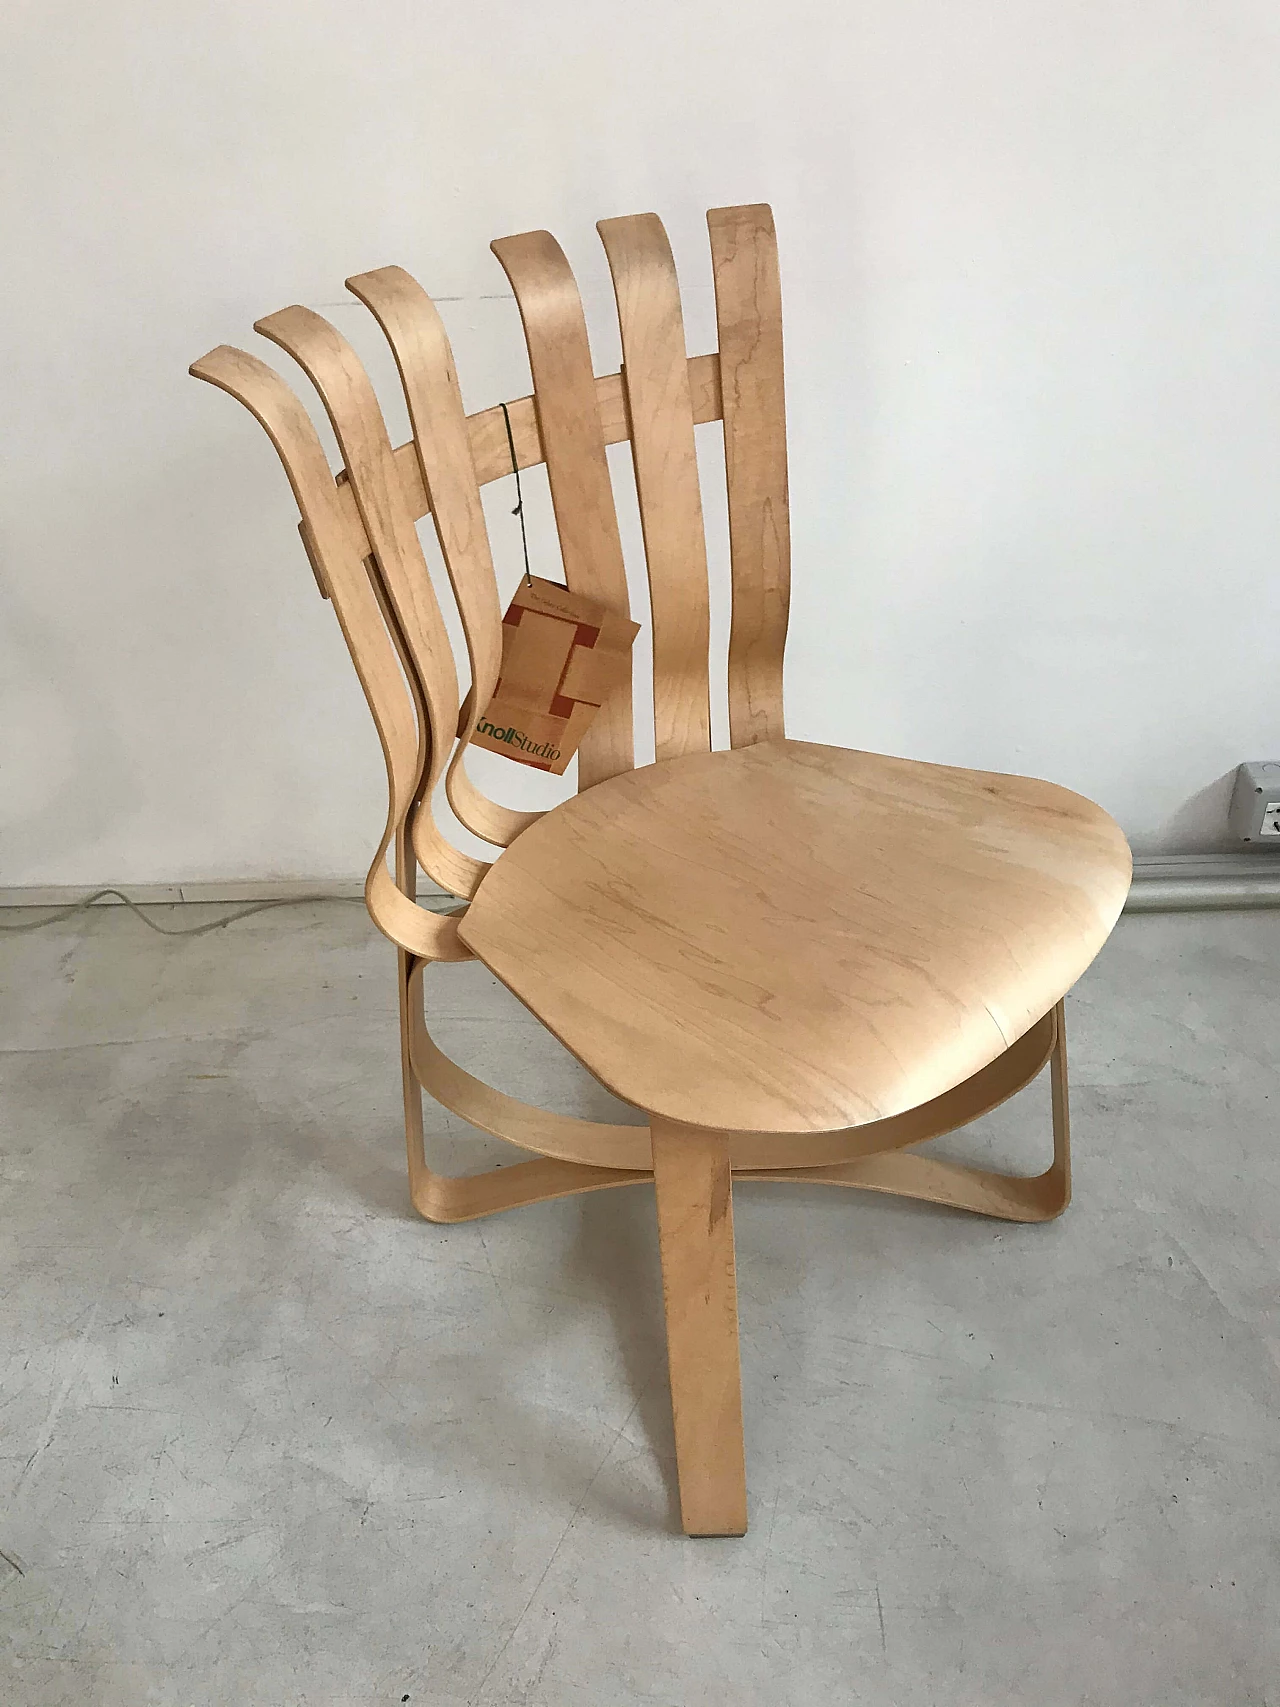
[(800, 961)]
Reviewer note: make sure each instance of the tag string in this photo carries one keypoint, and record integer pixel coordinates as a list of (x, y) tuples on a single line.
[(519, 509)]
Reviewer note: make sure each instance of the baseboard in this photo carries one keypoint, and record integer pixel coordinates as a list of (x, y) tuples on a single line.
[(1178, 883), (1162, 883)]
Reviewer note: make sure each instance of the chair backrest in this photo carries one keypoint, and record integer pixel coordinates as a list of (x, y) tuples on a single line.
[(359, 531)]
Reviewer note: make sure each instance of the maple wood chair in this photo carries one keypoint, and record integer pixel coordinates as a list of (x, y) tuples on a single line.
[(797, 959)]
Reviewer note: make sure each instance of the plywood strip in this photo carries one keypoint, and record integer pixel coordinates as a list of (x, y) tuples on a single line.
[(420, 344), (340, 553), (449, 1198), (1005, 1197), (749, 312), (453, 870), (577, 468), (443, 1198), (600, 1144), (492, 455), (489, 436), (560, 1136), (656, 377), (348, 396), (694, 1189), (966, 1102)]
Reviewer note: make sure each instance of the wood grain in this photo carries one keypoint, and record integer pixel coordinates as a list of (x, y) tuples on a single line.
[(577, 468), (344, 388), (656, 376), (416, 334), (795, 938), (606, 1145), (563, 1137), (952, 1185), (491, 453), (749, 312), (340, 556), (694, 1190), (446, 1198)]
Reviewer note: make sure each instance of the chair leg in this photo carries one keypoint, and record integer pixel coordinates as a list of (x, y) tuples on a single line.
[(693, 1184)]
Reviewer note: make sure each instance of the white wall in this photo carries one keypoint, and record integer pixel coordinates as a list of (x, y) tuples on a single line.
[(1031, 260)]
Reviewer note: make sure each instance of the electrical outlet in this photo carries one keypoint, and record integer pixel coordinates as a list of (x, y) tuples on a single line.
[(1255, 803)]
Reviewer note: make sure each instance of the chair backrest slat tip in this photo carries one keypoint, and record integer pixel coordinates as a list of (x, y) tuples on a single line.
[(358, 526)]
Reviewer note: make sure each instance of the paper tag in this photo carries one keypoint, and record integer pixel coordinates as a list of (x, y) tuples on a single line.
[(562, 655)]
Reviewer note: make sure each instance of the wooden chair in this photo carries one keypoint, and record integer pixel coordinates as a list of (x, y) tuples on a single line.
[(800, 961)]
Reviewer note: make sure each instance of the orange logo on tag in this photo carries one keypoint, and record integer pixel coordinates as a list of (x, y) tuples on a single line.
[(562, 655)]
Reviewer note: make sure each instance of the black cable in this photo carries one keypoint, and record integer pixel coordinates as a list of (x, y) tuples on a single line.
[(164, 930), (519, 509)]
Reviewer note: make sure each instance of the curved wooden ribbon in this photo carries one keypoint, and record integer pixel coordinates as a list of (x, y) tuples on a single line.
[(1006, 1197), (420, 344), (345, 389), (340, 552), (491, 453), (569, 424), (837, 1158), (655, 373), (744, 254)]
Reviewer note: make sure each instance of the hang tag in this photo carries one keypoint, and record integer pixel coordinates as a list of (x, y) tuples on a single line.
[(562, 655)]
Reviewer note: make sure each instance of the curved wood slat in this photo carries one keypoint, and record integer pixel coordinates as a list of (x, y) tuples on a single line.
[(960, 1106), (656, 376), (449, 866), (484, 817), (340, 555), (577, 468), (448, 1198), (561, 1137), (592, 1143), (348, 396), (1006, 1197), (445, 1198), (744, 254), (413, 328), (491, 453)]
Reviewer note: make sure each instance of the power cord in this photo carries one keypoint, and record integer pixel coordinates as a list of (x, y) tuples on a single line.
[(62, 913)]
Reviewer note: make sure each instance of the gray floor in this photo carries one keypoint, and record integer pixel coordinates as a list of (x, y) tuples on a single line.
[(269, 1439)]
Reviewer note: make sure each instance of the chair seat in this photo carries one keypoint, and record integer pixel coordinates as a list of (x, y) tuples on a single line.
[(798, 938)]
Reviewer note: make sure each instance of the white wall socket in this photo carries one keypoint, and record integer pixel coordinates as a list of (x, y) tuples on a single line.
[(1255, 802)]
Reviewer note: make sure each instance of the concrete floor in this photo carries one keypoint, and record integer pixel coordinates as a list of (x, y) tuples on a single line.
[(268, 1439)]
